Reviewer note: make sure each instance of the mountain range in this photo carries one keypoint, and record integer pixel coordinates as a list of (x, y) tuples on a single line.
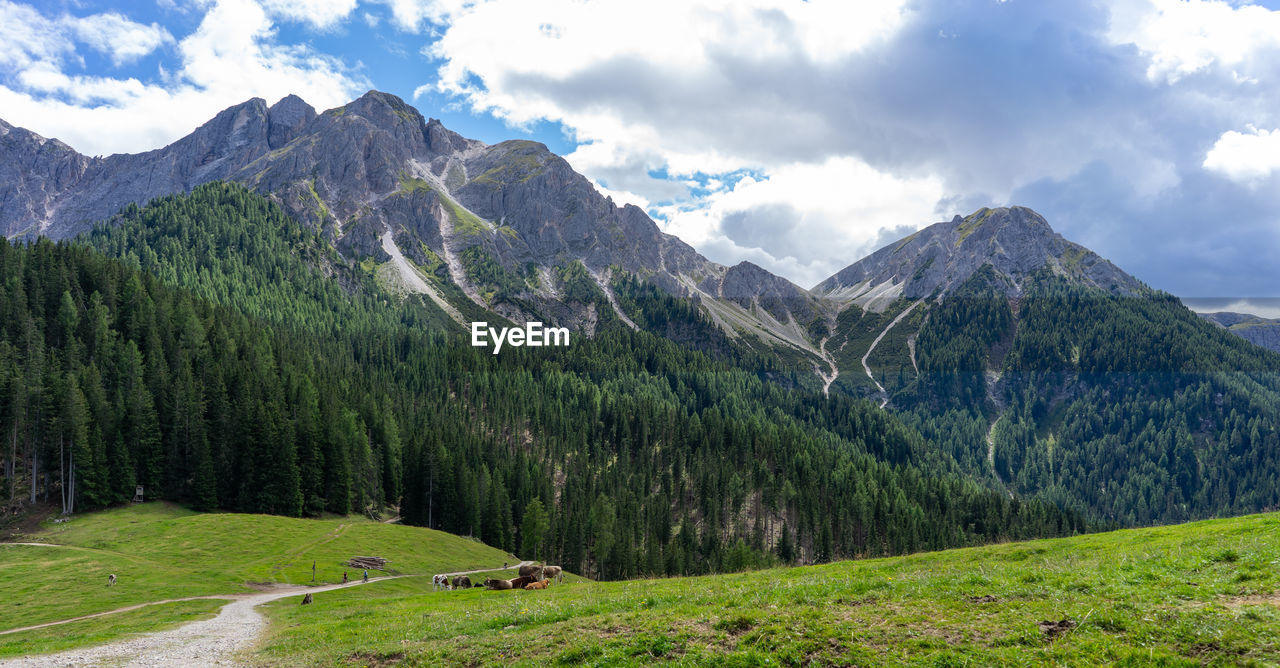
[(1005, 354), (493, 228)]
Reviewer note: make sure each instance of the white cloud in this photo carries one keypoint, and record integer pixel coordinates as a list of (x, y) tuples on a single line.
[(708, 88), (1182, 37), (806, 220), (27, 37), (123, 40), (231, 56), (410, 15), (323, 14), (516, 58), (1245, 157)]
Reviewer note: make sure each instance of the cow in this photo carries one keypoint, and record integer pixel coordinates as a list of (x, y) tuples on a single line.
[(497, 584), (534, 571), (553, 573), (460, 582), (439, 582), (541, 584), (306, 600), (111, 579), (520, 582)]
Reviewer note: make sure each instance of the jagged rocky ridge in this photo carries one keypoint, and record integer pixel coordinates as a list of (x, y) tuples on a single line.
[(496, 227), (499, 223)]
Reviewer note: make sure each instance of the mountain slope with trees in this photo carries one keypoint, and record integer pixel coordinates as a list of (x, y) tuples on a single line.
[(645, 456)]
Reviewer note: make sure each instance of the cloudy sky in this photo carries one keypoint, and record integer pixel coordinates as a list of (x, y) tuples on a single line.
[(797, 135)]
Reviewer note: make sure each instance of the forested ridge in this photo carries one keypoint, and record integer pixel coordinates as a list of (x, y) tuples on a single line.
[(230, 374), (1131, 407)]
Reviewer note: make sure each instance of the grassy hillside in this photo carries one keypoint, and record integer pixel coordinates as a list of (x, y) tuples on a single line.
[(1194, 594), (160, 551)]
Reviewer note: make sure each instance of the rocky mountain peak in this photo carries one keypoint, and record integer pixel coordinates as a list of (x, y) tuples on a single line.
[(384, 109), (442, 140), (1015, 241), (286, 120)]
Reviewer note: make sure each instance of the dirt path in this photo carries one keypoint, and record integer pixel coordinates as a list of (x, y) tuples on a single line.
[(210, 642), (486, 570)]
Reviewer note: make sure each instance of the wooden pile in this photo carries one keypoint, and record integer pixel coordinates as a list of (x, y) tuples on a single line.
[(370, 563)]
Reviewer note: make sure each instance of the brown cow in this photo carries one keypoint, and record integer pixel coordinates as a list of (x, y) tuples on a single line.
[(461, 582), (534, 571), (497, 584), (520, 582), (542, 584), (552, 572)]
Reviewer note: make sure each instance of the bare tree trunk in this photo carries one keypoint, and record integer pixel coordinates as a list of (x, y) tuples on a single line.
[(71, 494), (35, 471), (62, 469), (13, 462)]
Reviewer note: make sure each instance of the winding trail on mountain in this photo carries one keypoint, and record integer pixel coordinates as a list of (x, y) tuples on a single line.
[(208, 642), (885, 401)]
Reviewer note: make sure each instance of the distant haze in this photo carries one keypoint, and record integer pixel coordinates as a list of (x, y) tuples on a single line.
[(1259, 306)]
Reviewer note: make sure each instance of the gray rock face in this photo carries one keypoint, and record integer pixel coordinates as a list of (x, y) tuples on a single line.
[(1263, 332), (374, 165), (287, 119), (1015, 241), (34, 172), (746, 283)]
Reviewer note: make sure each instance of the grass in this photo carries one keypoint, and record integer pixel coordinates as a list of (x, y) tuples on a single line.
[(464, 221), (110, 627), (1195, 594), (972, 223), (160, 551)]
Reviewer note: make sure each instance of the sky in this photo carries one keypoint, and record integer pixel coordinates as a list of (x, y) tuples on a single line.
[(797, 135)]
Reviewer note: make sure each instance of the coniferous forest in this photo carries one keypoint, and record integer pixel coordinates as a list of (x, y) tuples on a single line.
[(1131, 407), (219, 354), (212, 350)]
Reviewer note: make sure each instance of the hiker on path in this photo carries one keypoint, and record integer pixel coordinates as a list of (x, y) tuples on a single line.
[(344, 577), (366, 575)]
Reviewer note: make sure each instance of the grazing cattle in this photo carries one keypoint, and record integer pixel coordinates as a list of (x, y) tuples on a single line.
[(461, 582), (497, 584), (111, 579), (553, 573), (542, 584), (439, 582), (306, 599), (534, 571), (520, 582)]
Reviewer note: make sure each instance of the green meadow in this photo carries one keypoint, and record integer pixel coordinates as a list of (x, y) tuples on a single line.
[(1194, 594), (160, 551)]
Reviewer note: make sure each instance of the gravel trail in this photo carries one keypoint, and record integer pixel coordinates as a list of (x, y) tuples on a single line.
[(210, 642)]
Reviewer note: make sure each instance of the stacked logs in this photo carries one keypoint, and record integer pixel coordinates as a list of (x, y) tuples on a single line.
[(368, 563)]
